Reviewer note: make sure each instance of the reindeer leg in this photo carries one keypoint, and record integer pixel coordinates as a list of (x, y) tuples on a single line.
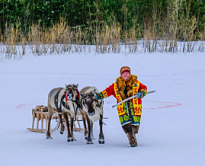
[(71, 119), (61, 122), (85, 128), (48, 134), (101, 135), (84, 124), (89, 140), (69, 137), (91, 130)]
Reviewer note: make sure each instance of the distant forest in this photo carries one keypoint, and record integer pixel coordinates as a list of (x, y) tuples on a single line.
[(160, 15)]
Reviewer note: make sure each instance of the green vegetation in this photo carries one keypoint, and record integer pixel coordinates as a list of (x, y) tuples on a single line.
[(164, 25), (86, 13)]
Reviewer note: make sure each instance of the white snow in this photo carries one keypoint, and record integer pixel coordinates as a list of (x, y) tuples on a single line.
[(172, 131)]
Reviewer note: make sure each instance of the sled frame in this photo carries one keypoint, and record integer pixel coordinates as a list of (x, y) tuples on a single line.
[(40, 113)]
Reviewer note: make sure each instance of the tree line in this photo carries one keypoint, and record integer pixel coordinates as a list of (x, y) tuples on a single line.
[(137, 14)]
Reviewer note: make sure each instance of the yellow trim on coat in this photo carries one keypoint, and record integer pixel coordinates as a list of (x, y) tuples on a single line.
[(120, 108), (136, 107), (104, 93)]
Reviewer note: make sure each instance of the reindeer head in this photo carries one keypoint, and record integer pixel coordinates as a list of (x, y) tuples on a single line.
[(90, 103), (71, 91)]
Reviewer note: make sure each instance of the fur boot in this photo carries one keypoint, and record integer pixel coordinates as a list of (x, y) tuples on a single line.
[(135, 129), (122, 84), (132, 139), (130, 135)]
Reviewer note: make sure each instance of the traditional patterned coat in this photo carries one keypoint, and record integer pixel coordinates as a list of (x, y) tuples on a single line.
[(123, 89)]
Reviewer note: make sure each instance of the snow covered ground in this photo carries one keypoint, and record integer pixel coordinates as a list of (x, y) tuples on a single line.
[(172, 131)]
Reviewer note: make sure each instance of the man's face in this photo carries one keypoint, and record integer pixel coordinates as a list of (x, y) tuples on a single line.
[(125, 75)]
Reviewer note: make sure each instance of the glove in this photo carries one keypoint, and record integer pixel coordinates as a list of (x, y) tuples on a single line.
[(139, 95), (97, 96)]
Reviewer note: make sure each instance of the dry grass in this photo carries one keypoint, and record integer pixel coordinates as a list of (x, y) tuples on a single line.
[(158, 35)]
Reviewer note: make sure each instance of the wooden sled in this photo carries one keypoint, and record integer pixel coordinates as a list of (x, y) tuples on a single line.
[(40, 113)]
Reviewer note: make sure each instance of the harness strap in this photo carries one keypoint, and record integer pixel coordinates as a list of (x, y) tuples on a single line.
[(63, 103), (66, 99), (78, 94), (56, 102)]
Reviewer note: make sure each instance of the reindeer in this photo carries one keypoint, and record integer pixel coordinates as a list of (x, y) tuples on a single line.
[(64, 102), (92, 110)]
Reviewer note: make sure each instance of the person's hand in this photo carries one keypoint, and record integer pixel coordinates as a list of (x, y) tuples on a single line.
[(139, 95), (97, 96)]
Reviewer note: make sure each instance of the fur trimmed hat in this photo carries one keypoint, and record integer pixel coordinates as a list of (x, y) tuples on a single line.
[(124, 68)]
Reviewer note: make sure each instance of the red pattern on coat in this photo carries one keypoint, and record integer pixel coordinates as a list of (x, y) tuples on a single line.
[(110, 91)]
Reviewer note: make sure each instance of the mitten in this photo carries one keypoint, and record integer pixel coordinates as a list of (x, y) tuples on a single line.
[(139, 95), (97, 96)]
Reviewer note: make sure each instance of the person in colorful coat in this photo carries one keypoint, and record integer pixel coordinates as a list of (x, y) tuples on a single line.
[(129, 112)]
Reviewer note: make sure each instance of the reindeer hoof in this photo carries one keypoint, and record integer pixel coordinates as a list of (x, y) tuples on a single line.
[(101, 141), (70, 140), (49, 137), (89, 142), (61, 132)]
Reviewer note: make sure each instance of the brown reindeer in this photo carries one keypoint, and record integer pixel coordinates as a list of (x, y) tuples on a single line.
[(92, 110), (64, 101)]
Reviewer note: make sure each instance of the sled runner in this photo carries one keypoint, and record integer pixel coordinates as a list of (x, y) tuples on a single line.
[(40, 114)]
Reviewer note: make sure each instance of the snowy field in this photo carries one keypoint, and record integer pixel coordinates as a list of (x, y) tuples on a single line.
[(172, 131)]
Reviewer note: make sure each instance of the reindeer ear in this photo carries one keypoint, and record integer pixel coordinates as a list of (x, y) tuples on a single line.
[(76, 85)]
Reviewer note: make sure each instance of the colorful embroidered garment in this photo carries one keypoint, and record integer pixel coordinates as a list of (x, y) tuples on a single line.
[(135, 106)]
